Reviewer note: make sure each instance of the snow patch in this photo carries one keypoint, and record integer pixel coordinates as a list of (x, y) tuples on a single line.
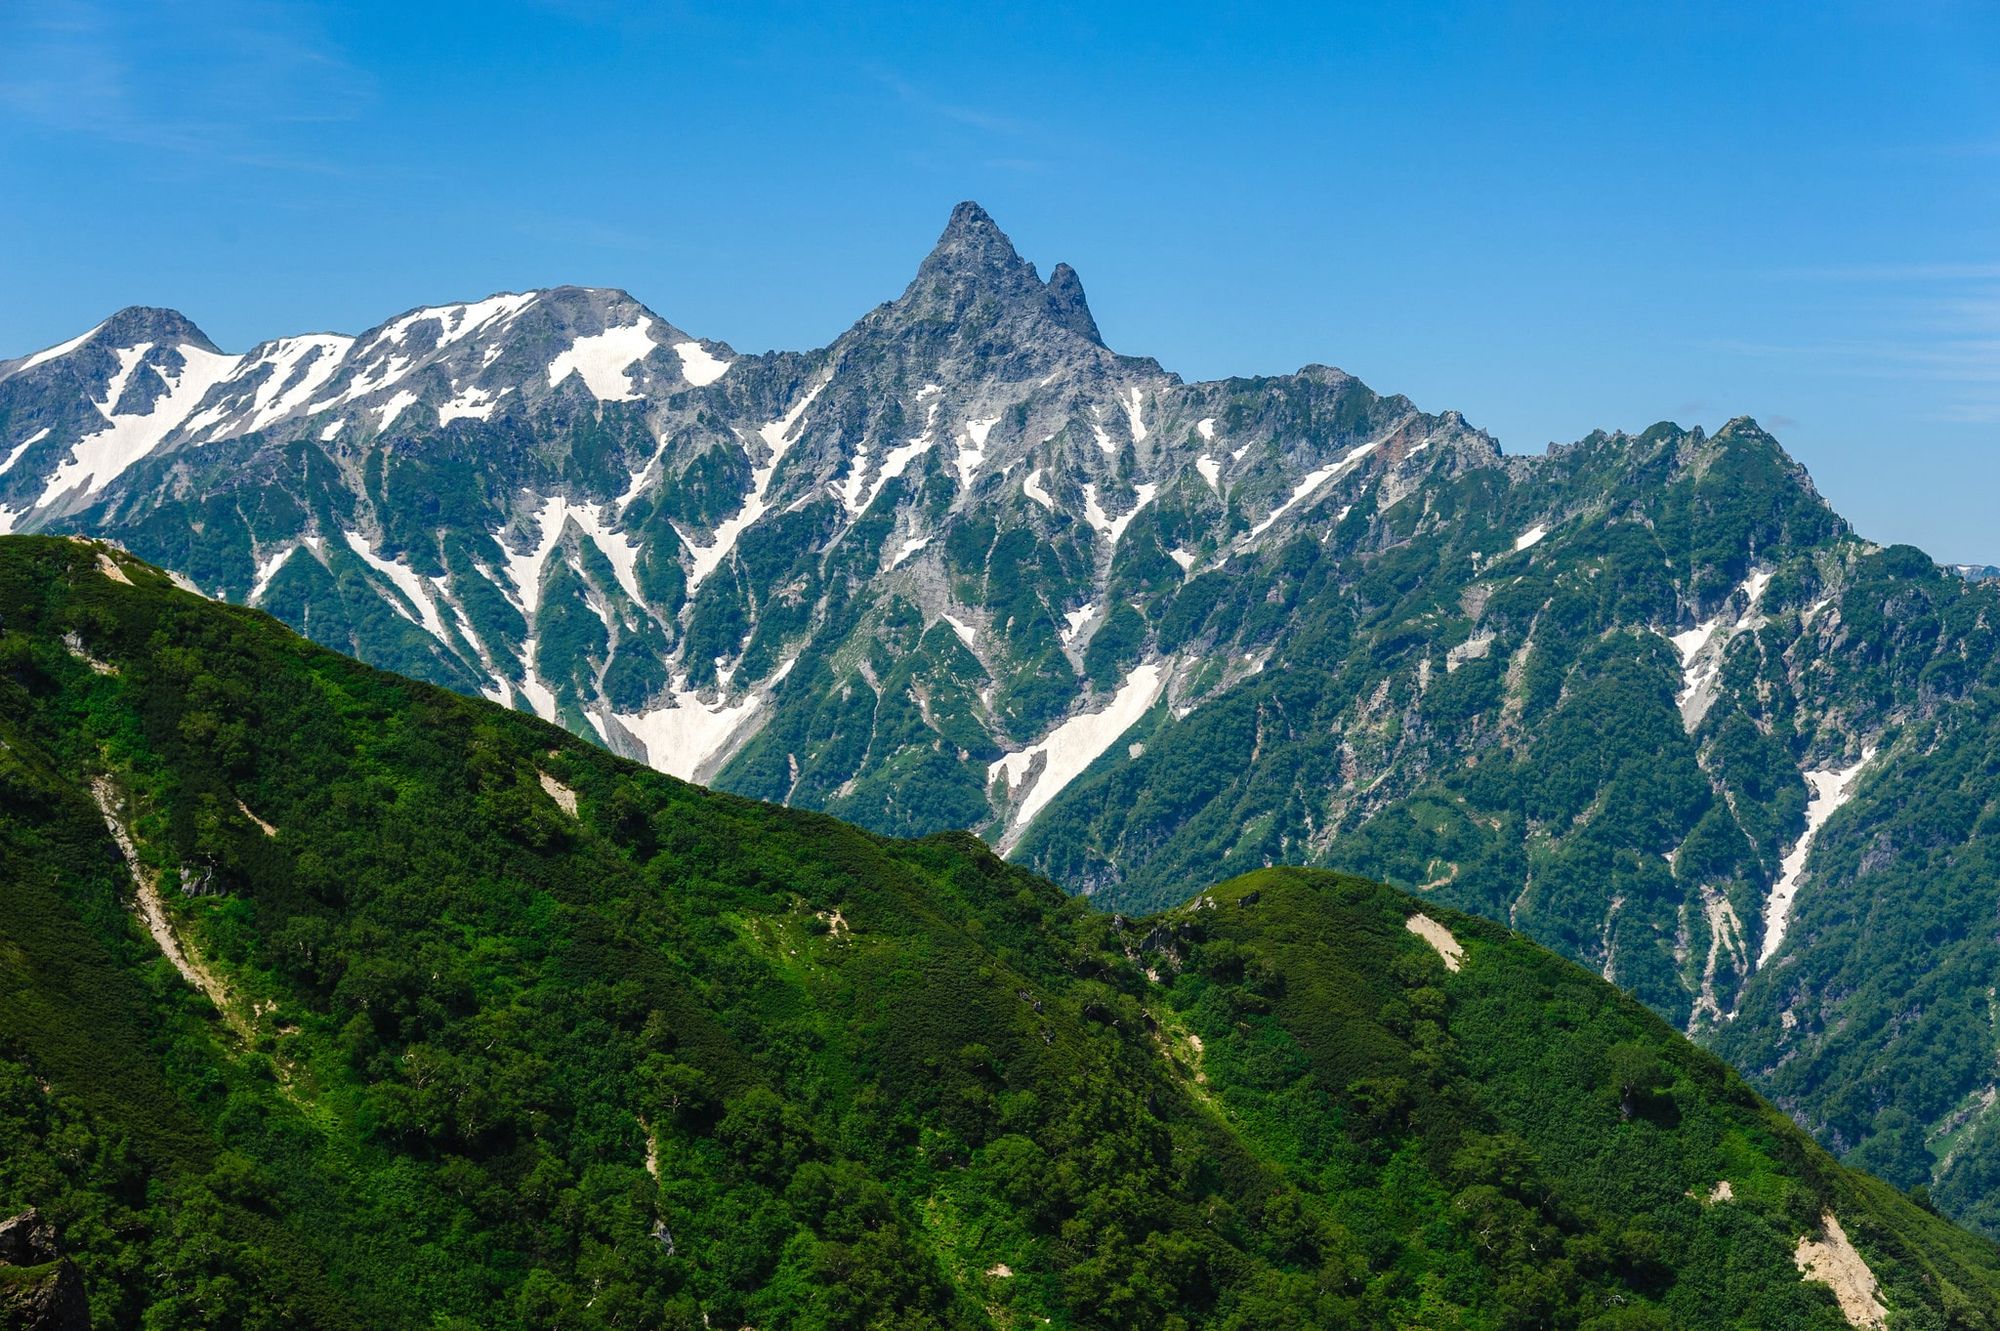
[(681, 737), (295, 369), (94, 462), (605, 360), (474, 403), (301, 366), (1205, 427), (267, 569), (1073, 746), (1113, 528), (1075, 620), (14, 454), (399, 402), (129, 359), (972, 452), (616, 547), (1828, 792), (966, 633), (1531, 537), (525, 570), (1031, 486), (1097, 430), (1703, 647), (1211, 471), (778, 436), (894, 463), (456, 322), (407, 581), (1131, 404), (593, 520), (539, 695), (908, 548), (1314, 480), (698, 366), (850, 489), (1184, 557), (52, 353)]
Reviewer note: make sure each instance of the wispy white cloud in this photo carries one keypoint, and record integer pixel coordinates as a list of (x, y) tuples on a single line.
[(222, 81), (1896, 272), (1931, 324), (1962, 361)]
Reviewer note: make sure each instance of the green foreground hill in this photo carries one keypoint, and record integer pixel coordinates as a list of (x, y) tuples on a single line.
[(330, 999)]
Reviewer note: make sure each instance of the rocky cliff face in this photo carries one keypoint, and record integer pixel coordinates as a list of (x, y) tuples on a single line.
[(919, 550), (40, 1288)]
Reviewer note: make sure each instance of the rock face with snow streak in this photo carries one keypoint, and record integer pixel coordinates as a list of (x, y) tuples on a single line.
[(559, 499)]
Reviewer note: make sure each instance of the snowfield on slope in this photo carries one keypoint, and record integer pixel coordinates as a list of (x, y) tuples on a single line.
[(1072, 747), (605, 360), (1828, 792)]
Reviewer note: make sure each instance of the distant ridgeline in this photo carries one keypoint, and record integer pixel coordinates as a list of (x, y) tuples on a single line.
[(1646, 698), (332, 999)]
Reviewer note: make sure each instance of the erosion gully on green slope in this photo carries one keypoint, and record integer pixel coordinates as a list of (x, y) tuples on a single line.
[(516, 1033)]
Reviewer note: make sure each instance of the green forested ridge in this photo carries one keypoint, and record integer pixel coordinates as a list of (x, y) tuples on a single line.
[(883, 1084)]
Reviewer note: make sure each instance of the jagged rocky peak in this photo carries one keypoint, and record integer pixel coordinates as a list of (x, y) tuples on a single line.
[(973, 243), (1066, 299), (973, 278), (1744, 429)]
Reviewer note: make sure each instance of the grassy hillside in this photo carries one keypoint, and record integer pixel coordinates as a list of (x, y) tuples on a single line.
[(489, 1028)]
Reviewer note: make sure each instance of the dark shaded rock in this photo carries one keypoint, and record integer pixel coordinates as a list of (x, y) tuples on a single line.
[(28, 1239), (40, 1289)]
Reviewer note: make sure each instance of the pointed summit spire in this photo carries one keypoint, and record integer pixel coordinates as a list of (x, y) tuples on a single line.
[(973, 244), (1066, 299), (974, 278), (969, 216), (972, 267)]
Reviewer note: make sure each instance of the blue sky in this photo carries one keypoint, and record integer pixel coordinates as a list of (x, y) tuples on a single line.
[(1551, 217)]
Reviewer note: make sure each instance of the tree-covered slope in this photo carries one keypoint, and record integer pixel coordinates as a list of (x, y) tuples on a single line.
[(333, 999)]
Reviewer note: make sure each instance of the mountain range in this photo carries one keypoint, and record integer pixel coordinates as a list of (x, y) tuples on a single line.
[(1645, 698), (332, 999)]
